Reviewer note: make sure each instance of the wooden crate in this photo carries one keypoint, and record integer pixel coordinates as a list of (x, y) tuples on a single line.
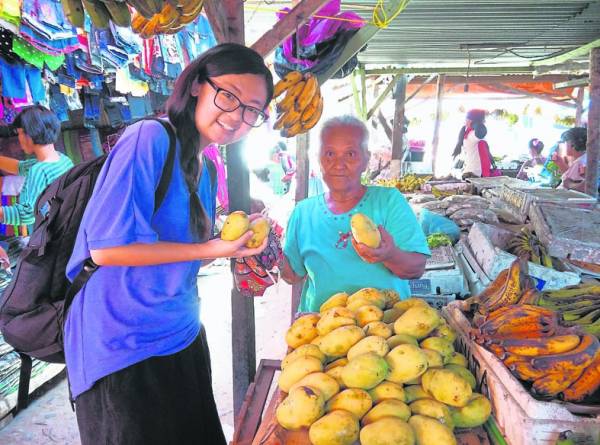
[(522, 419)]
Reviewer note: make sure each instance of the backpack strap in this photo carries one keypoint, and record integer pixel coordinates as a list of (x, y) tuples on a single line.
[(89, 267), (212, 173)]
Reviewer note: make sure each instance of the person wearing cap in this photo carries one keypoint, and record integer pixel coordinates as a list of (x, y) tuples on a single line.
[(535, 151), (572, 165), (472, 149)]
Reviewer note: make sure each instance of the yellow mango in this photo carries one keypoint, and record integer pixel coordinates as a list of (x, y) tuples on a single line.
[(463, 372), (392, 314), (370, 294), (367, 314), (336, 373), (336, 300), (417, 321), (439, 344), (456, 358), (300, 409), (354, 400), (434, 409), (235, 225), (446, 332), (415, 381), (447, 387), (405, 305), (378, 345), (365, 231), (474, 413), (387, 408), (334, 318), (387, 431), (303, 351), (339, 362), (429, 431), (339, 341), (391, 297), (415, 392), (260, 230), (386, 391), (316, 341), (297, 370), (379, 329), (434, 358), (357, 303), (406, 362), (365, 371), (320, 381), (339, 427), (402, 339), (302, 331)]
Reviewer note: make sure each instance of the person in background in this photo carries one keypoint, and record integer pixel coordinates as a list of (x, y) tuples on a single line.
[(572, 165), (535, 151), (136, 351), (472, 151), (319, 249), (37, 129)]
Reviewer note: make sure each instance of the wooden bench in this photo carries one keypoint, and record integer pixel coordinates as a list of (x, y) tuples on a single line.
[(250, 416)]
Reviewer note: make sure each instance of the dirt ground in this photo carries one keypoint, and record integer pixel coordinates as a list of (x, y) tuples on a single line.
[(50, 420)]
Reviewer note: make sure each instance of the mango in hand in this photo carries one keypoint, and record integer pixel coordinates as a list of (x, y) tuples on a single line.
[(365, 231), (260, 228), (235, 226)]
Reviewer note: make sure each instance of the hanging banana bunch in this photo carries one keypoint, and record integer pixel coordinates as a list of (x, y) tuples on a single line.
[(301, 107), (100, 12), (171, 17)]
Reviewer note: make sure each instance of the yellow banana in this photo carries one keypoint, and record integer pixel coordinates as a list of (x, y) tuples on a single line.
[(552, 384), (311, 86), (167, 17), (292, 131), (290, 79), (579, 358), (307, 125), (291, 118), (191, 11), (532, 347), (311, 108), (290, 98)]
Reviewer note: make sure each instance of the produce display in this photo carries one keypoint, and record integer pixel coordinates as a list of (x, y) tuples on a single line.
[(158, 17), (374, 369), (548, 340), (406, 184), (302, 105), (438, 239), (464, 210), (237, 223)]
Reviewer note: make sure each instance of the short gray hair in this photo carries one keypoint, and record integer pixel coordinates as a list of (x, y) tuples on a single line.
[(347, 120)]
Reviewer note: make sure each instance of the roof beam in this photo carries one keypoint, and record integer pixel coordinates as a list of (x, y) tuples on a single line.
[(382, 96), (508, 89), (578, 52), (226, 18), (216, 17), (285, 27), (358, 41), (572, 83), (453, 70)]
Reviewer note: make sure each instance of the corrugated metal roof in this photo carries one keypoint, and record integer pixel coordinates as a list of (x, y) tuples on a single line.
[(450, 33)]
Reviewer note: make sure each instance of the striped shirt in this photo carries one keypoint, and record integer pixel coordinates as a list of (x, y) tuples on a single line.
[(38, 175)]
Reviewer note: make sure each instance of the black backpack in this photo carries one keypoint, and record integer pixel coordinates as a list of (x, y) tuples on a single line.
[(34, 306)]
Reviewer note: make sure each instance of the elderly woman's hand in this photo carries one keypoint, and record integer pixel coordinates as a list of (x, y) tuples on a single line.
[(382, 253)]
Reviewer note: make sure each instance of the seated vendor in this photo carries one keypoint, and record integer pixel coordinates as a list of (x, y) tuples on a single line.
[(319, 248), (572, 166)]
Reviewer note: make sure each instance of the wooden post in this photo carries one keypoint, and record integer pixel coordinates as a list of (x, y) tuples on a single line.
[(399, 95), (302, 174), (357, 104), (593, 128), (438, 116), (579, 109), (363, 92)]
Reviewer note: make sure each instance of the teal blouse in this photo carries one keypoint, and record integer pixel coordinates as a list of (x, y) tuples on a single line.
[(318, 245)]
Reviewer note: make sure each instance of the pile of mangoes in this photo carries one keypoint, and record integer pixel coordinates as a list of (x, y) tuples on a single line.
[(372, 368)]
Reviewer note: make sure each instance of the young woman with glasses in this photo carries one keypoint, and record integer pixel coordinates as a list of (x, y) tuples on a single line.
[(137, 357)]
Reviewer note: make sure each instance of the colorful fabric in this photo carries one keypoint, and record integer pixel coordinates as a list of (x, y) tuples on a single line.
[(125, 315), (38, 175), (212, 152), (318, 246), (36, 57), (10, 14), (253, 275)]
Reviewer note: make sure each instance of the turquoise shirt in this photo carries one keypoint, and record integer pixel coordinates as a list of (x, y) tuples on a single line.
[(318, 245)]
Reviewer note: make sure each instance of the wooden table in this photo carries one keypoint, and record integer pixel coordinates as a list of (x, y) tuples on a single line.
[(271, 433)]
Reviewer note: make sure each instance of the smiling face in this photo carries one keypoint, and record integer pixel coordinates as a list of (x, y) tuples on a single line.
[(342, 158), (221, 127)]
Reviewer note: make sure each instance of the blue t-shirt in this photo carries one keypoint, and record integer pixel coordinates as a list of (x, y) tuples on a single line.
[(318, 245), (124, 315)]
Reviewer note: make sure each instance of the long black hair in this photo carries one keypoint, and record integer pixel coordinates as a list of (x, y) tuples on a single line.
[(227, 58), (577, 136)]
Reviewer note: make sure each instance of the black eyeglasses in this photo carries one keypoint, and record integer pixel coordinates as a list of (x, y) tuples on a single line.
[(227, 101)]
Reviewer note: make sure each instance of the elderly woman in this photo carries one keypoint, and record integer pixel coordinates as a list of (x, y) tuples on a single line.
[(319, 248), (572, 166)]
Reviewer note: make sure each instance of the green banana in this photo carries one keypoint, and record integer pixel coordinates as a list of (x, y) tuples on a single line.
[(573, 291), (97, 12), (74, 12), (119, 12)]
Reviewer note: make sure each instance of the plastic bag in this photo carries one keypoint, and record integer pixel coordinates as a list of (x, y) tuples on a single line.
[(434, 223)]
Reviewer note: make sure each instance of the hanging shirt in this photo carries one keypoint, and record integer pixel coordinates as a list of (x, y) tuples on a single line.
[(38, 176), (318, 245), (124, 315)]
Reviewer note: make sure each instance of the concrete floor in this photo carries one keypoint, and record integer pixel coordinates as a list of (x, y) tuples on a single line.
[(50, 420)]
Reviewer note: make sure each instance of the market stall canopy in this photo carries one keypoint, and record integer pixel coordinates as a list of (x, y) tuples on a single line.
[(484, 34)]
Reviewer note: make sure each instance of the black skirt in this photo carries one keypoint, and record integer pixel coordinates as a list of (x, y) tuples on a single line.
[(159, 401)]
